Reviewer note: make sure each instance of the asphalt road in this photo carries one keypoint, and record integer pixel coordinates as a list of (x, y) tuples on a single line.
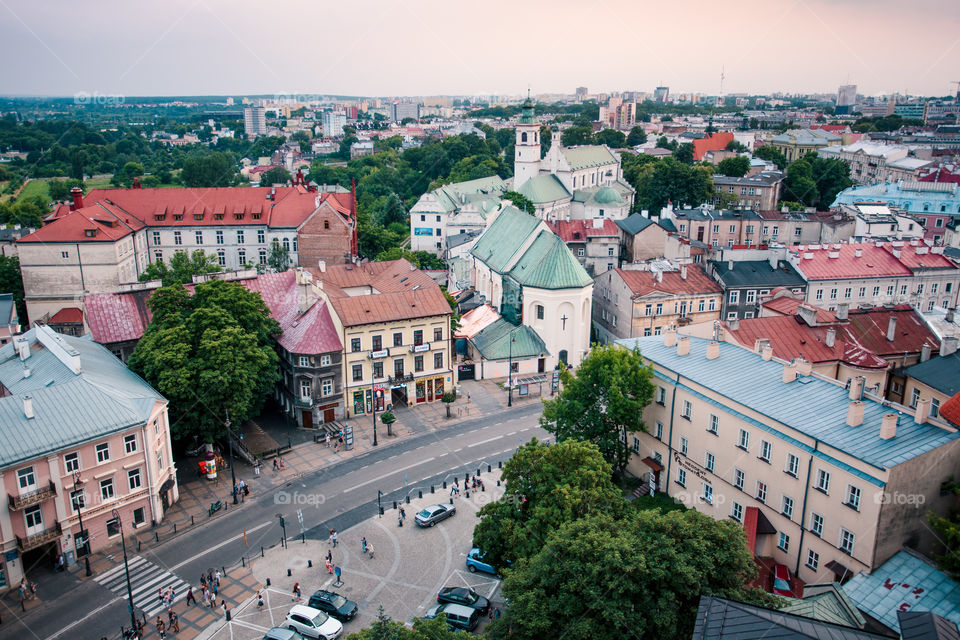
[(336, 497)]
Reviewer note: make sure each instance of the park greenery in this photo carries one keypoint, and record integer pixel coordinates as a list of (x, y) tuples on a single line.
[(209, 354), (182, 267)]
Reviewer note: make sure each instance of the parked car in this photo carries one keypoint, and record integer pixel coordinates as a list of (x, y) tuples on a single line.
[(475, 562), (334, 604), (279, 633), (433, 514), (464, 596), (312, 623), (458, 616), (781, 581)]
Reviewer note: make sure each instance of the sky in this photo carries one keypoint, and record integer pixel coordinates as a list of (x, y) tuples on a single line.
[(498, 47)]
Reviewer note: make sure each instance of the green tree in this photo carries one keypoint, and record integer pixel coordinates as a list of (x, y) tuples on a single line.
[(602, 403), (520, 201), (448, 398), (183, 266), (770, 153), (276, 175), (393, 211), (612, 138), (663, 143), (388, 419), (684, 153), (214, 169), (669, 180), (546, 139), (546, 486), (279, 257), (132, 170), (208, 353), (576, 135), (736, 167), (600, 577), (383, 628), (59, 190), (733, 145), (799, 184), (11, 281), (636, 136)]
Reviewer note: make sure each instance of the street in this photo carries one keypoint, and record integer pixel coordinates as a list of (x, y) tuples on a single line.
[(337, 497)]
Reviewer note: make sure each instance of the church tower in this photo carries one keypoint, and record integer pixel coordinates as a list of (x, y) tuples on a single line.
[(526, 157)]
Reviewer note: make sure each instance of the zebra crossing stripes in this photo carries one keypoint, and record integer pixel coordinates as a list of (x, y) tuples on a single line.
[(146, 579)]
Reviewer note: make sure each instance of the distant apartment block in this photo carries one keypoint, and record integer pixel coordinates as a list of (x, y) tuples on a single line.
[(254, 121)]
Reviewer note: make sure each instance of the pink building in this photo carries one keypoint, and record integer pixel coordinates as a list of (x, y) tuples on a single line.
[(81, 437)]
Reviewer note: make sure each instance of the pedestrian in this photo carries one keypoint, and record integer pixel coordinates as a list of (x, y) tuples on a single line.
[(174, 621), (329, 566), (161, 627), (336, 447), (209, 577), (296, 591), (363, 544), (370, 550), (256, 467), (203, 580), (326, 438), (333, 537), (329, 556), (496, 613), (259, 601), (160, 596), (216, 589), (280, 458), (217, 576), (223, 607), (191, 597), (276, 465)]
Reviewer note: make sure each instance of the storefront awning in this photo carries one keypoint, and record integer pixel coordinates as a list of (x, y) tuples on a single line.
[(653, 464), (839, 570)]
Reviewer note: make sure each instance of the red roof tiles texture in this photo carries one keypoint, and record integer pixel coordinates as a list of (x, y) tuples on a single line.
[(714, 142), (642, 283), (950, 410), (580, 230)]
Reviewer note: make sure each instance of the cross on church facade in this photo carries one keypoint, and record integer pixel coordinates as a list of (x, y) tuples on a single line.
[(563, 319)]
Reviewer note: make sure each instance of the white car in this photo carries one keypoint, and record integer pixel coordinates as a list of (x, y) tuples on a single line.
[(312, 623)]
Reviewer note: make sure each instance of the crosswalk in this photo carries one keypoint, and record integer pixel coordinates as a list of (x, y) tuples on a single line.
[(146, 579)]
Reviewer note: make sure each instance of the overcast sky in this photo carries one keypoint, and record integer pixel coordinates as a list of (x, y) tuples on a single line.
[(402, 47)]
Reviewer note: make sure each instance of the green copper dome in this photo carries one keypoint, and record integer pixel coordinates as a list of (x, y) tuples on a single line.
[(606, 195), (526, 115)]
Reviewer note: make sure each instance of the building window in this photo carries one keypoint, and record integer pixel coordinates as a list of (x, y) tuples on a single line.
[(701, 304), (658, 430), (734, 297), (326, 387), (635, 446), (262, 256), (33, 516), (739, 477), (848, 293), (737, 512), (222, 257), (106, 489), (751, 296), (681, 477), (376, 343), (240, 236), (709, 461), (648, 310), (863, 292), (378, 369), (712, 304), (103, 452), (687, 410), (78, 500), (833, 294), (743, 440), (846, 541), (853, 497), (71, 462), (138, 517), (130, 443), (765, 450), (783, 543), (934, 408), (816, 524), (113, 527), (793, 465), (684, 445), (304, 361), (261, 236), (241, 257), (707, 493), (26, 478), (819, 295), (714, 424), (305, 389), (823, 481), (418, 337), (659, 308), (438, 334), (914, 398), (786, 506), (133, 479), (354, 344), (762, 492), (177, 238), (813, 559), (438, 360), (357, 372), (890, 289), (540, 311), (219, 237), (418, 363), (156, 239)]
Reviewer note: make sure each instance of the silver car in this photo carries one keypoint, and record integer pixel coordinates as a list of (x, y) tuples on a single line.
[(429, 516)]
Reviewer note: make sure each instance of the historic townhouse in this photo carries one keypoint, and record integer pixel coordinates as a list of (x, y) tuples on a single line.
[(82, 437), (826, 478)]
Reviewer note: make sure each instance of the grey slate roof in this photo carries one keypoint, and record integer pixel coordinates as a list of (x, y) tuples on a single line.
[(722, 619), (634, 224), (756, 273), (69, 408), (941, 372), (924, 625), (8, 309)]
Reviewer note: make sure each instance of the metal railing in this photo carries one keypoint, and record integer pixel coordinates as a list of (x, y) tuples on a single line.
[(39, 539), (31, 498)]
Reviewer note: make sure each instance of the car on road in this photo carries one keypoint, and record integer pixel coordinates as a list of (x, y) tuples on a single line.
[(781, 581), (464, 596), (458, 616), (334, 604), (433, 514), (279, 633), (476, 563), (312, 623)]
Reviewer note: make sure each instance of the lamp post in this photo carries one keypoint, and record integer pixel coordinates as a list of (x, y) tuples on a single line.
[(510, 371), (283, 527), (126, 569), (233, 474), (78, 504), (373, 403)]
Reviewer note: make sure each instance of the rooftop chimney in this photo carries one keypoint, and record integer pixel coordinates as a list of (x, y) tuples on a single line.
[(831, 337), (767, 352), (948, 346), (856, 387), (23, 348), (683, 345), (892, 329), (833, 254), (713, 350), (808, 314), (804, 367), (658, 275), (28, 406), (669, 337), (922, 410), (888, 428), (855, 413), (896, 254), (734, 324), (729, 265), (789, 371), (858, 252), (925, 352), (683, 272), (843, 309), (950, 313), (774, 261), (322, 266), (77, 194)]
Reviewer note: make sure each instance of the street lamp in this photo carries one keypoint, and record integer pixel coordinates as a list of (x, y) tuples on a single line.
[(78, 504), (373, 403), (283, 527), (510, 370), (233, 474), (126, 569)]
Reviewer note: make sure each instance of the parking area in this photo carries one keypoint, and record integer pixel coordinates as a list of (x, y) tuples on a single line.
[(409, 566)]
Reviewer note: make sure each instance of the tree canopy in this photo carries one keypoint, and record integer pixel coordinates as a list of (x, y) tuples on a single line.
[(734, 167), (577, 134), (816, 181), (208, 353), (12, 282), (520, 201), (770, 153), (636, 136), (276, 175), (183, 266), (612, 138), (602, 402), (666, 179), (208, 170)]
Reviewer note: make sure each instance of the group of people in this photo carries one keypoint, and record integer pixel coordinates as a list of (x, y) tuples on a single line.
[(241, 490), (366, 547), (27, 590), (337, 440), (209, 590), (473, 483)]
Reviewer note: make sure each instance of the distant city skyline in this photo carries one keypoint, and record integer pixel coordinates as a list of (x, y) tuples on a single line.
[(215, 47)]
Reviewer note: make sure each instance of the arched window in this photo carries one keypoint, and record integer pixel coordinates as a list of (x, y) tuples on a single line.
[(523, 137), (563, 356), (326, 224)]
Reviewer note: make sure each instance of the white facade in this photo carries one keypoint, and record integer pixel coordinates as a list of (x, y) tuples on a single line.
[(333, 124), (526, 155), (234, 245), (254, 121)]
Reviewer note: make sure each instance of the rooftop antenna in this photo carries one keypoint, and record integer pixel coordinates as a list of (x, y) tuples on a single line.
[(722, 76)]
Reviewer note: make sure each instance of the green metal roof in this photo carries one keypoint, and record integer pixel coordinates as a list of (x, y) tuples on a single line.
[(454, 195), (549, 264), (826, 602), (544, 188), (527, 113), (504, 237), (494, 342), (588, 156)]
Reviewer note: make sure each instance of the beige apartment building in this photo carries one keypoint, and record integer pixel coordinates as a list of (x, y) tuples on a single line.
[(825, 478)]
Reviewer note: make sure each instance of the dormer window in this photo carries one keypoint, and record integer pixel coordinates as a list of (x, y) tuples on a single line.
[(218, 216), (160, 217), (178, 217), (255, 216), (238, 216), (198, 216), (90, 233)]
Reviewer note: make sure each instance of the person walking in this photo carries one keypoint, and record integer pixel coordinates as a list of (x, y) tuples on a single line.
[(174, 621), (363, 544), (329, 556), (161, 627), (329, 566), (275, 465), (296, 592), (190, 597), (370, 550), (223, 607), (256, 467), (326, 439), (160, 596), (259, 601), (217, 576), (333, 537)]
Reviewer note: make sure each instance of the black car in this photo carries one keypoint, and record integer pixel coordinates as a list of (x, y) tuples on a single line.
[(433, 514), (466, 597), (333, 604)]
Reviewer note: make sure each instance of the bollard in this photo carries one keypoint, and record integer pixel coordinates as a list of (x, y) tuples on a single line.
[(243, 561), (191, 521), (498, 483), (444, 484), (303, 538), (288, 573), (482, 488), (156, 535), (478, 473), (499, 464), (466, 494), (431, 489), (488, 469), (261, 552), (228, 615), (268, 582), (174, 527), (309, 564), (451, 500), (419, 494), (24, 607), (408, 499), (138, 546), (223, 570), (394, 504), (381, 510)]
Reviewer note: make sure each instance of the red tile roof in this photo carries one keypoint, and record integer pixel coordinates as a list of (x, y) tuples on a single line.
[(950, 410), (874, 262), (100, 222), (832, 128), (785, 305), (579, 230), (714, 142), (642, 283), (118, 317), (67, 315), (920, 256), (868, 328)]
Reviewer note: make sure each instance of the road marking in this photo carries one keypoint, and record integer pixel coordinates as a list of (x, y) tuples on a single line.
[(85, 618), (392, 457), (497, 424), (457, 450), (512, 433), (477, 444), (389, 473), (222, 544)]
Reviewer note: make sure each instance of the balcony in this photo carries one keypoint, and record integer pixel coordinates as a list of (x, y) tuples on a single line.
[(39, 539), (302, 402), (400, 379), (24, 500), (420, 348)]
